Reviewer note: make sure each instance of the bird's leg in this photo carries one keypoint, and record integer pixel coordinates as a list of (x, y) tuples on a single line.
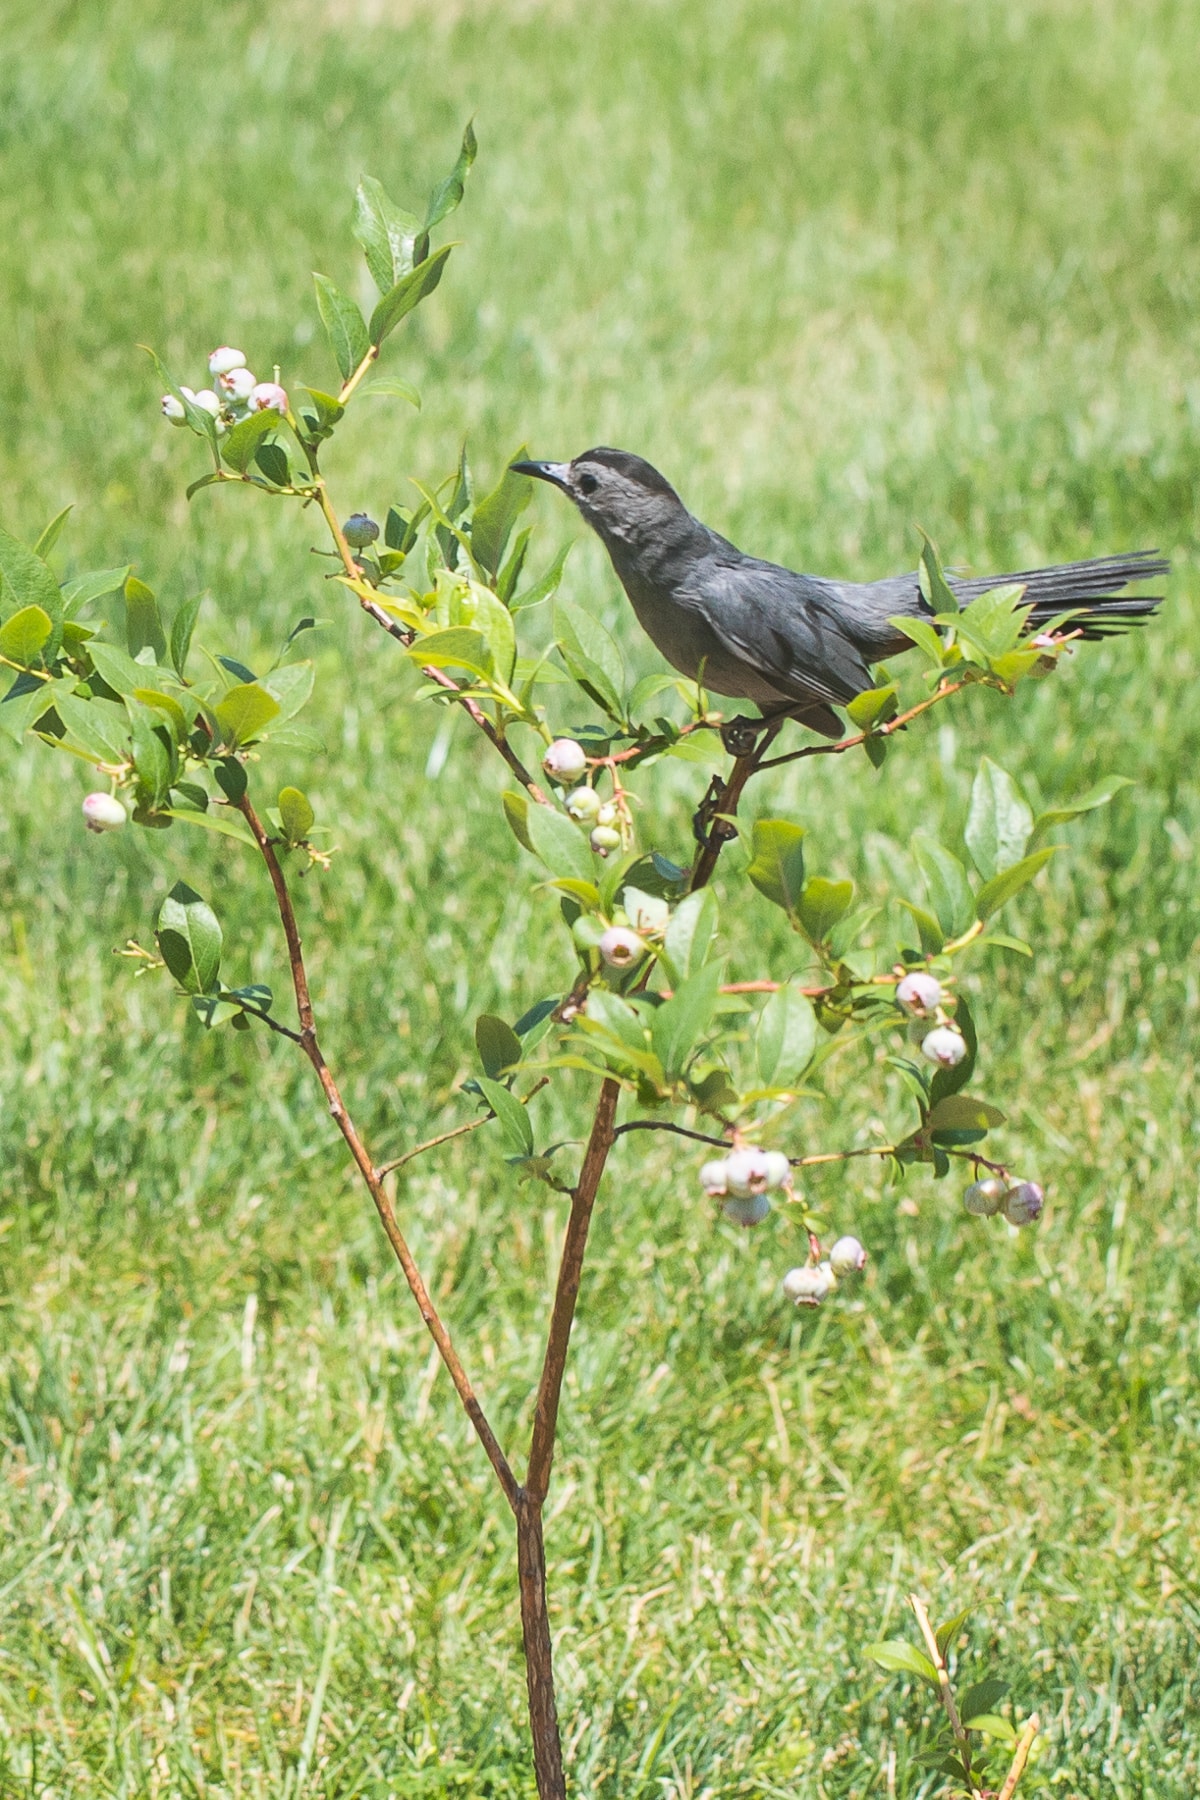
[(702, 819), (740, 736)]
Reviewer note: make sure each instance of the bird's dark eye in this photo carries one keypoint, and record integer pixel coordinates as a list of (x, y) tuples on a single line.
[(587, 484)]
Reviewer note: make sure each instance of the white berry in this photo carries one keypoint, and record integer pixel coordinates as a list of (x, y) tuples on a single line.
[(225, 360), (944, 1046), (919, 994), (103, 812), (621, 948), (565, 760), (847, 1257)]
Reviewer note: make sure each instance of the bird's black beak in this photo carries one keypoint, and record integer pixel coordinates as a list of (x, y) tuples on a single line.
[(555, 473)]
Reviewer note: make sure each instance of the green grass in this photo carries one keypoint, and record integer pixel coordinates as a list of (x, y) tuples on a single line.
[(836, 268)]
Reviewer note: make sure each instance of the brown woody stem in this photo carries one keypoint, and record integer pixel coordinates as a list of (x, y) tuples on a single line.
[(358, 1151)]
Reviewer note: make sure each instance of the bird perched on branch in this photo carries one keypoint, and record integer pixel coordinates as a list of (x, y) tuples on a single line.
[(796, 644)]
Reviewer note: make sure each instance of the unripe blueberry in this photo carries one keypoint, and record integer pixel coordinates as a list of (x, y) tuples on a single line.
[(237, 385), (360, 529), (646, 911), (565, 760), (604, 839), (103, 812), (206, 400), (172, 409), (713, 1177), (919, 994), (1023, 1203), (224, 360), (607, 814), (847, 1257), (985, 1198), (268, 396), (746, 1173), (583, 805), (778, 1169), (809, 1285), (747, 1212), (621, 948), (944, 1046)]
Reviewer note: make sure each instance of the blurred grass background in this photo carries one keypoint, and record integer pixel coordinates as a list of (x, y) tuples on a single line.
[(835, 268)]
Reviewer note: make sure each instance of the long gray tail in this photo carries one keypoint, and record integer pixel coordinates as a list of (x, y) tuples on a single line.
[(1091, 590)]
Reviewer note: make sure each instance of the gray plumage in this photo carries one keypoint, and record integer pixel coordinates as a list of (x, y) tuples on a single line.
[(764, 633)]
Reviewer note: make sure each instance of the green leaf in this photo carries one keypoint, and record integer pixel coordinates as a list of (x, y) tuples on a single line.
[(289, 686), (99, 726), (448, 194), (900, 1658), (923, 635), (934, 586), (200, 421), (546, 585), (591, 656), (617, 1017), (119, 671), (168, 709), (498, 1045), (81, 590), (690, 933), (52, 533), (992, 624), (241, 442), (408, 292), (996, 893), (395, 389), (189, 937), (386, 232), (786, 1038), (822, 903), (999, 822), (681, 1022), (224, 823), (457, 648), (1100, 795), (272, 460), (952, 1081), (514, 1118), (496, 514), (777, 862), (182, 627), (946, 1633), (991, 1725), (295, 814), (492, 619), (22, 636), (949, 890), (516, 812), (28, 579), (959, 1112), (151, 755), (931, 934), (27, 701), (560, 844), (244, 711), (344, 326), (982, 1697), (143, 625), (873, 707)]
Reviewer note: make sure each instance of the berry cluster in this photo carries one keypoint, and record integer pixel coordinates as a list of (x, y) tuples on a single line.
[(743, 1179), (237, 393), (566, 761), (1021, 1202), (920, 995)]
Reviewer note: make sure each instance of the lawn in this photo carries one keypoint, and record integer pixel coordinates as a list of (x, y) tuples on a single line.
[(837, 269)]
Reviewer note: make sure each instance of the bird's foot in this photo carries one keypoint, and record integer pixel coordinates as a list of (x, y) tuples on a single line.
[(740, 736)]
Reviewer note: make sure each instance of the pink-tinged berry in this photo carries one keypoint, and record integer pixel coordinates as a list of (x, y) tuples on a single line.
[(985, 1198), (360, 529), (268, 396), (103, 812), (172, 410), (944, 1046), (621, 948), (206, 400), (809, 1285), (1023, 1203), (714, 1177), (565, 760), (751, 1211), (237, 385), (225, 360), (919, 994), (847, 1257)]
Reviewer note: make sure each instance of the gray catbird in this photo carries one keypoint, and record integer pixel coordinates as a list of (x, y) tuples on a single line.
[(794, 643)]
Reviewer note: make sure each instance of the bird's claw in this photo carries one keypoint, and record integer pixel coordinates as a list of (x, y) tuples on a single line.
[(740, 736)]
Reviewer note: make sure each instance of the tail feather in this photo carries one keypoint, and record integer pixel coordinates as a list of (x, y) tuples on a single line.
[(1091, 590)]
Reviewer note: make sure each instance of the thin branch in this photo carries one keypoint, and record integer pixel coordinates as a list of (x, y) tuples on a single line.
[(944, 690), (698, 1137), (570, 1270), (1020, 1757), (357, 1149), (458, 1131), (726, 801), (945, 1691)]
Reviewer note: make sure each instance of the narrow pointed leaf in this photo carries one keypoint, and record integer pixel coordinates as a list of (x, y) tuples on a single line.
[(344, 326)]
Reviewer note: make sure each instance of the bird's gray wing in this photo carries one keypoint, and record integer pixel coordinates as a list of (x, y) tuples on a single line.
[(788, 628)]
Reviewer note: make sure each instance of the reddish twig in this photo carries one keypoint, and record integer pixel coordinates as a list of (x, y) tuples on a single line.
[(433, 1143), (370, 1176), (944, 690)]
